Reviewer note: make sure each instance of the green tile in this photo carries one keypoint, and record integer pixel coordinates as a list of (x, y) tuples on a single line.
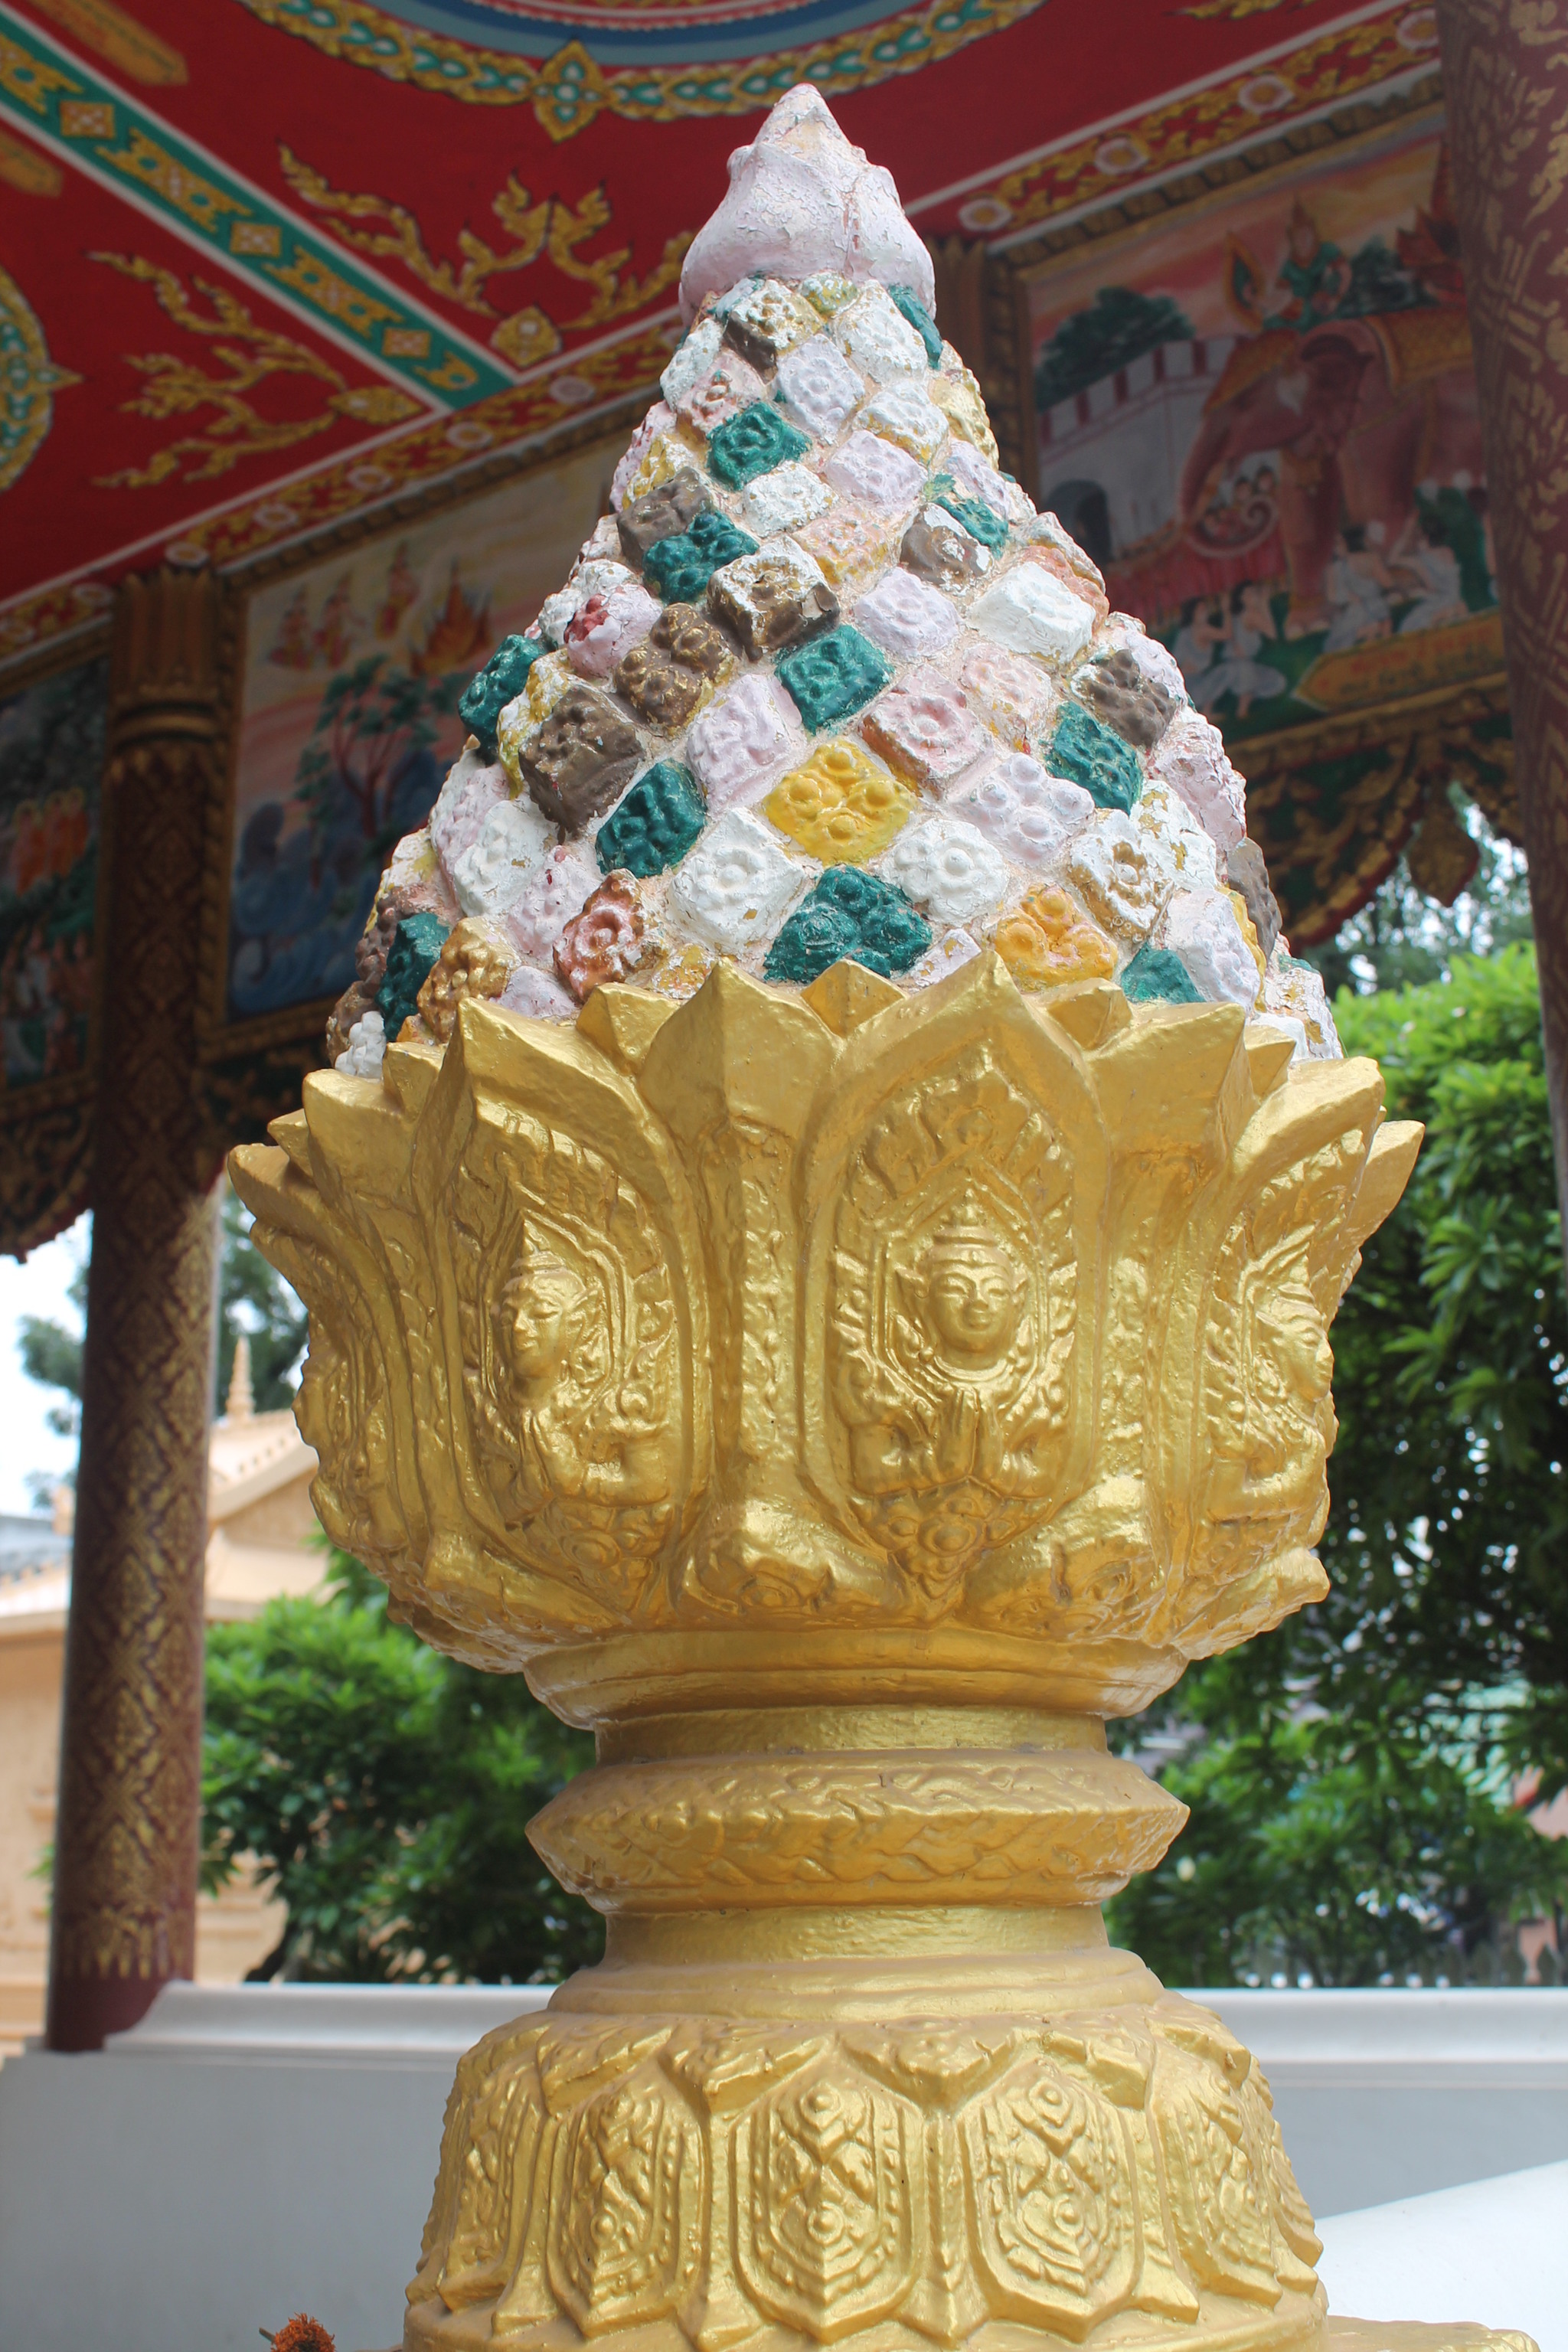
[(416, 943), (849, 913), (1157, 974), (920, 320), (681, 568), (833, 676), (753, 443), (503, 676), (656, 824), (973, 513), (1088, 754)]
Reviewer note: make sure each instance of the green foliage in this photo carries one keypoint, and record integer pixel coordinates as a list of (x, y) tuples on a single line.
[(1119, 326), (384, 1791), (1349, 1773), (1400, 938), (252, 1298), (51, 1355)]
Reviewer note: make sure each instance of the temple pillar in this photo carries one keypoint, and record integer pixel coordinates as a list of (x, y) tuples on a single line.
[(1506, 76), (127, 1833)]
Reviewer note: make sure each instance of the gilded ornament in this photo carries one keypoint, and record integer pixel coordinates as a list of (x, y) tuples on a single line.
[(844, 1381)]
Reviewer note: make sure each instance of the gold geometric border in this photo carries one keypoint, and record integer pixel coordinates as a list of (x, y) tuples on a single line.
[(569, 90)]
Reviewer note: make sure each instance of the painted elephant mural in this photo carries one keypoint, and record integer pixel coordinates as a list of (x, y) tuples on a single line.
[(1261, 414), (1362, 413)]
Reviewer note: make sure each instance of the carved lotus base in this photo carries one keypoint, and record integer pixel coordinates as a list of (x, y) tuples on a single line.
[(1096, 2162)]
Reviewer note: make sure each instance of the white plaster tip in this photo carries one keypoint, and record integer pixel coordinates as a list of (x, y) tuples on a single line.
[(802, 201)]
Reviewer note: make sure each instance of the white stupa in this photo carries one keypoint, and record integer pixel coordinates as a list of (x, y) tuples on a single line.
[(823, 684)]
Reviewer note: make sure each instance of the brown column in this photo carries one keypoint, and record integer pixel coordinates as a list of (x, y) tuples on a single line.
[(1505, 71), (126, 1839)]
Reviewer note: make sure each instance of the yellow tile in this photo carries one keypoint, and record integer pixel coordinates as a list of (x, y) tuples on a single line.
[(842, 805)]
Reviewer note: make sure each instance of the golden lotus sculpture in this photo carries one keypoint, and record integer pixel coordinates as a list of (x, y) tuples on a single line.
[(844, 1403)]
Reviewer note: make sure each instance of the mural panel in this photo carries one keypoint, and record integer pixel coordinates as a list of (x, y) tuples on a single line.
[(1260, 414), (348, 721), (51, 763)]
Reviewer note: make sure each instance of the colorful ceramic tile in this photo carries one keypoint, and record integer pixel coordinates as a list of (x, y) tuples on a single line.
[(670, 675), (909, 305), (975, 516), (664, 513), (729, 386), (784, 499), (656, 823), (582, 758), (819, 388), (850, 543), (605, 941), (548, 680), (1246, 871), (743, 742), (901, 413), (692, 359), (1115, 690), (937, 548), (1175, 840), (772, 599), (605, 627), (681, 568), (1088, 754), (874, 470), (1192, 761), (841, 805), (1050, 942), (906, 616), (738, 883), (513, 842), (959, 397), (1108, 862), (1202, 929), (1295, 992), (833, 677), (415, 945), (769, 320), (849, 913), (829, 293), (1030, 612), (537, 995), (948, 870), (875, 335), (754, 443), (1012, 694), (924, 729), (974, 478), (551, 897), (473, 787), (948, 953), (1156, 976), (1029, 815), (503, 676)]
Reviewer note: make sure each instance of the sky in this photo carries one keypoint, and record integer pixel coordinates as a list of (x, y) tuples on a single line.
[(36, 1286)]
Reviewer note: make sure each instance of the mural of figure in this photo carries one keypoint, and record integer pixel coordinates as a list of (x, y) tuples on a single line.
[(1198, 640), (1248, 624), (1356, 585), (1431, 569), (1314, 277)]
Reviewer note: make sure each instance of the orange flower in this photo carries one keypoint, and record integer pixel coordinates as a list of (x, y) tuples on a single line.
[(302, 2334)]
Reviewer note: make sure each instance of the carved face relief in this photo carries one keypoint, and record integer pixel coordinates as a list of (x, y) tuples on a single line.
[(534, 1315), (970, 1291)]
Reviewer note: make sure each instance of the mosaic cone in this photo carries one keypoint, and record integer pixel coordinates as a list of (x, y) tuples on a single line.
[(819, 1246)]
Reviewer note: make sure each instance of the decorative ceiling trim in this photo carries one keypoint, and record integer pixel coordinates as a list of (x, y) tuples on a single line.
[(1279, 90), (568, 90), (113, 138), (528, 424), (29, 383)]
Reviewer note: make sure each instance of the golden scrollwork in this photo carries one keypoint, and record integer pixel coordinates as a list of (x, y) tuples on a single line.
[(845, 1404)]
